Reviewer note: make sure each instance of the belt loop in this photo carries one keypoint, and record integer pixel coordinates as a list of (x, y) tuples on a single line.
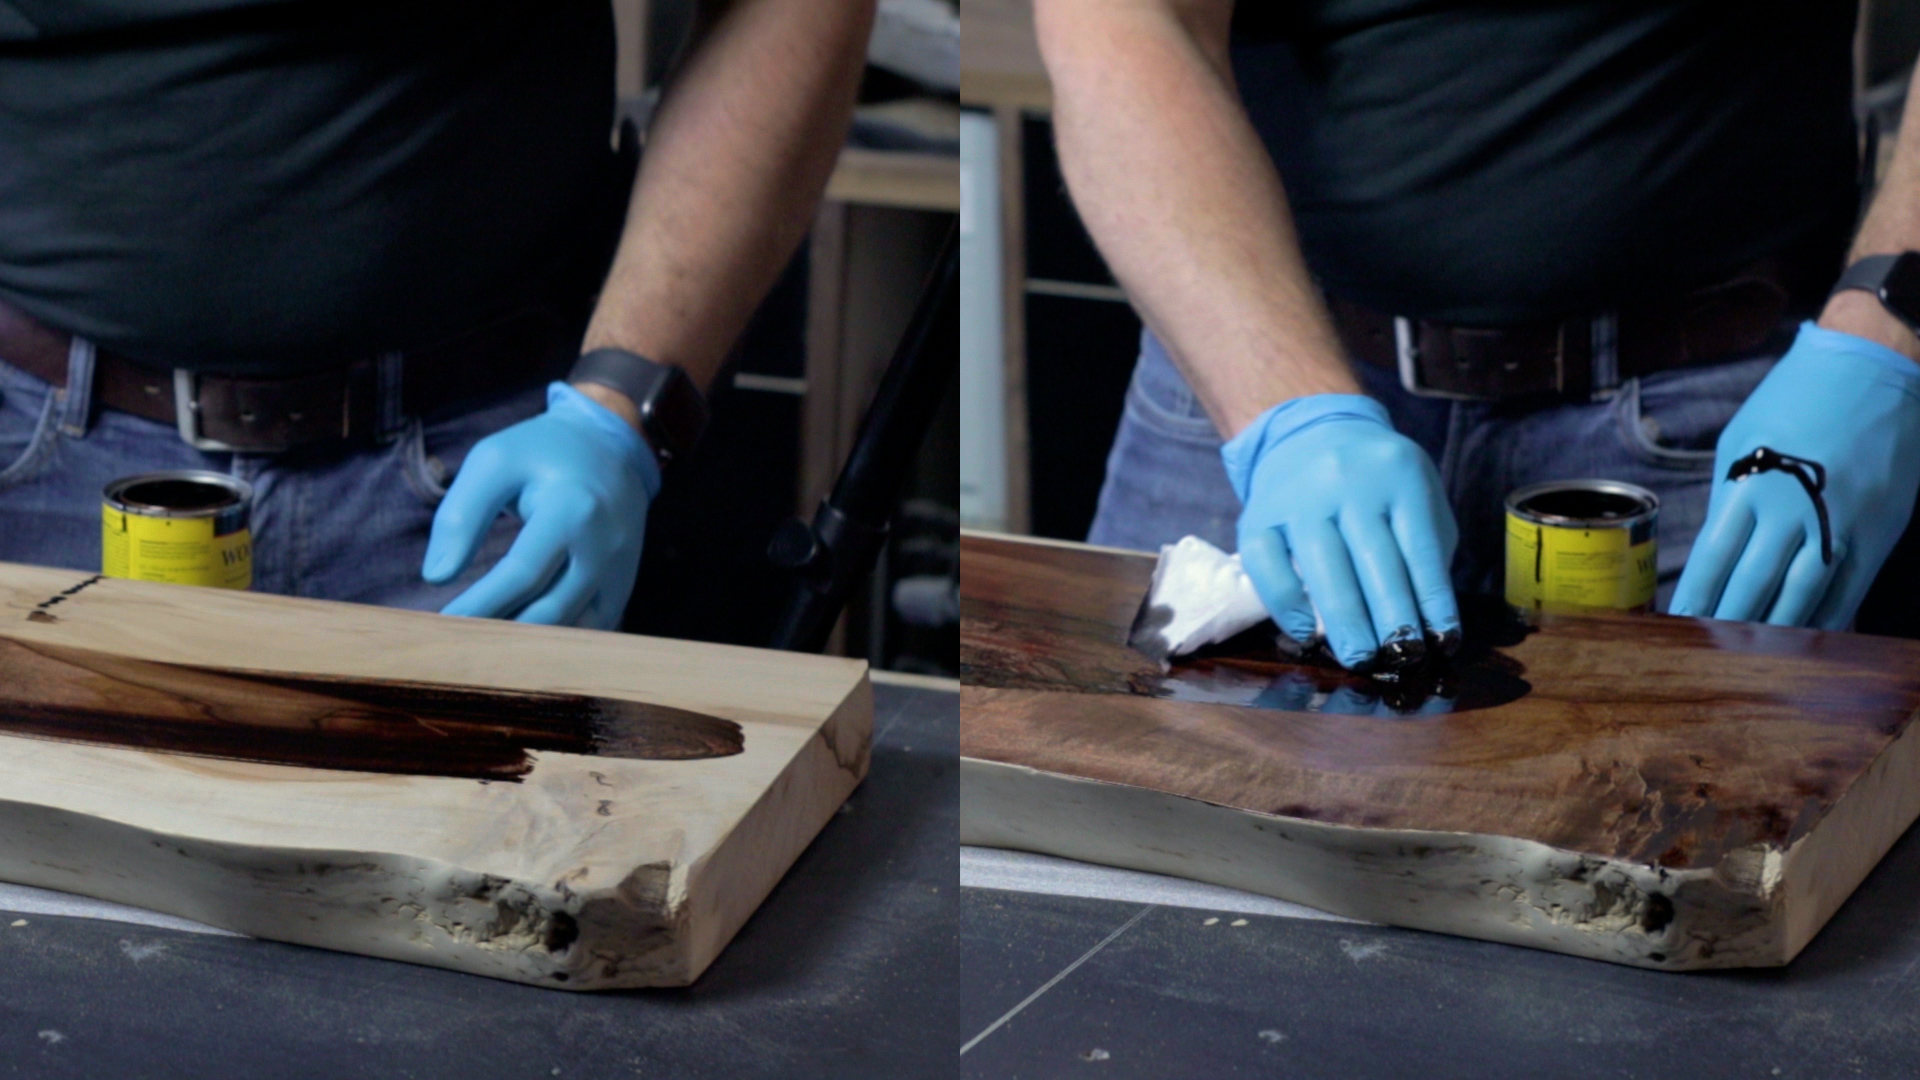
[(76, 408), (1606, 353), (390, 383)]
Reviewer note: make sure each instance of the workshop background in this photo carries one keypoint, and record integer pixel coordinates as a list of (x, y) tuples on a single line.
[(806, 370), (846, 969), (1048, 340)]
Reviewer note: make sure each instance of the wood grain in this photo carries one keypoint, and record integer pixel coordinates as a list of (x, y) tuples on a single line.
[(330, 774), (1674, 746), (363, 725)]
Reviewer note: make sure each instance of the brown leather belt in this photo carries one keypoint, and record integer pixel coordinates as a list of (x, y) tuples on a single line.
[(362, 401), (1575, 358)]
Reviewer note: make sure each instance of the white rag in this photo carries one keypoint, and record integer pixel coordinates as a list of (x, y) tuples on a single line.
[(1200, 596)]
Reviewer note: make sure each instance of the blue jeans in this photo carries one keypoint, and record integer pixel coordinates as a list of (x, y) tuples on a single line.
[(334, 523), (1164, 477)]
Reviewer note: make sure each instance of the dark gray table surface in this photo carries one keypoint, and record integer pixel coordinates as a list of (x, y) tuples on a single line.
[(1303, 998), (847, 970)]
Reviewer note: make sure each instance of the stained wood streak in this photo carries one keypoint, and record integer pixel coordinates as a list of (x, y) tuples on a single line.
[(319, 722)]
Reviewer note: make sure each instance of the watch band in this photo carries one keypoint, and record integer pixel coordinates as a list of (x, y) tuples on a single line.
[(673, 412), (1890, 279), (1866, 274)]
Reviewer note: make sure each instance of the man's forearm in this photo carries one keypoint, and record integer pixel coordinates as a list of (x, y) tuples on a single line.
[(1892, 226), (736, 160), (1184, 202)]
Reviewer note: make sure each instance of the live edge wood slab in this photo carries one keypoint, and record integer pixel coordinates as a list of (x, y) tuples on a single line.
[(1663, 792), (560, 807)]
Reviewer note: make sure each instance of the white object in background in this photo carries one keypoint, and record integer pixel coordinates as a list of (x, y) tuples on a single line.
[(983, 392), (1025, 871), (927, 600), (27, 900), (919, 39)]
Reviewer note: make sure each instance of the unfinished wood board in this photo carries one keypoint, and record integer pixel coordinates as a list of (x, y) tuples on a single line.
[(562, 807), (1670, 793)]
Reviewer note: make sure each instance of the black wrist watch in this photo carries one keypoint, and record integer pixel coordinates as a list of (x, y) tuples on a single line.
[(672, 410), (1895, 279)]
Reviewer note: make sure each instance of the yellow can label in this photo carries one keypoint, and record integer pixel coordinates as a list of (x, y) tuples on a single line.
[(1553, 567), (183, 551)]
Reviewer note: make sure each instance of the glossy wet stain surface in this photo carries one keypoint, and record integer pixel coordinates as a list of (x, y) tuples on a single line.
[(1670, 741), (359, 725), (1019, 644), (1250, 670), (1268, 682)]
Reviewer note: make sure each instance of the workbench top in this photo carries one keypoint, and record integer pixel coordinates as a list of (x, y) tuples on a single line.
[(1151, 990), (846, 971)]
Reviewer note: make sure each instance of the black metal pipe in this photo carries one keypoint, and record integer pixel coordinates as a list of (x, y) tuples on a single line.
[(830, 555)]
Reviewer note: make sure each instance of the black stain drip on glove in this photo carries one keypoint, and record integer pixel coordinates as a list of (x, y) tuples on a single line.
[(1404, 654), (1811, 474), (1450, 673)]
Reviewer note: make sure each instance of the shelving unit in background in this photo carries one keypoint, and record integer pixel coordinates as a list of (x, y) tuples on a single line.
[(798, 383), (1068, 334), (1002, 80)]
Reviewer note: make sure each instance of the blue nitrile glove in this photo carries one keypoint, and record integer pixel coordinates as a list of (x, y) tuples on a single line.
[(581, 480), (1852, 407), (1330, 489)]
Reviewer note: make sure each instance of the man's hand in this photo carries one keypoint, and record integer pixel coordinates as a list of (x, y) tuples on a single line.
[(1178, 192), (1853, 407), (581, 479), (1183, 201), (1344, 514), (1847, 396)]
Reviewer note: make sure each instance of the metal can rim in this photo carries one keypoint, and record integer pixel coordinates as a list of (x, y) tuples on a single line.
[(1650, 503), (240, 490)]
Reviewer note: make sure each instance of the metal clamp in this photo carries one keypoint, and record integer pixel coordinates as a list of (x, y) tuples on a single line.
[(186, 413)]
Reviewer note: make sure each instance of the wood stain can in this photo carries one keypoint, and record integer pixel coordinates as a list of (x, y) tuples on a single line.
[(188, 527), (1581, 545)]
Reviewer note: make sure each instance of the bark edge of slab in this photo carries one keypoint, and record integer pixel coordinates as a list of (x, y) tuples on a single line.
[(1494, 888)]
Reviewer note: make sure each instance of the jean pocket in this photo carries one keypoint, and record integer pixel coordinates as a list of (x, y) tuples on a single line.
[(28, 427), (427, 475), (1160, 400), (1673, 419), (433, 448)]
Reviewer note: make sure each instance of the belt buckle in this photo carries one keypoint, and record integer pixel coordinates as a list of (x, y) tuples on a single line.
[(1406, 347), (186, 413)]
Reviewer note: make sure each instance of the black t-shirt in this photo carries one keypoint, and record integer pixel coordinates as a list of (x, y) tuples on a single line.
[(271, 186), (1490, 163)]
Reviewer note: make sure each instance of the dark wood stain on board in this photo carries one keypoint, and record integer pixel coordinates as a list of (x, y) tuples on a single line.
[(361, 725), (1662, 740), (1250, 669)]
